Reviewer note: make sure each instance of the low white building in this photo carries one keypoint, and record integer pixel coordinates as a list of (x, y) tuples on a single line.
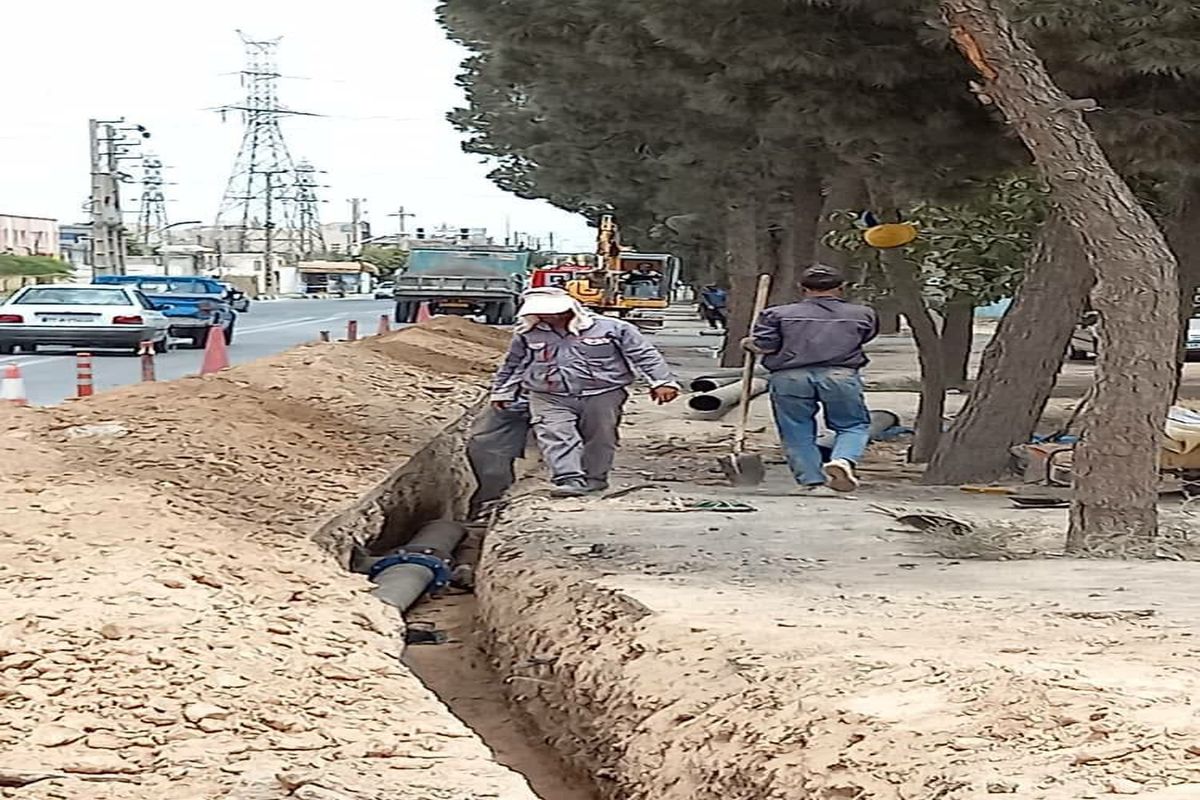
[(28, 236)]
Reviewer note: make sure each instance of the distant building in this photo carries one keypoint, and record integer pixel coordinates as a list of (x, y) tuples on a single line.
[(28, 236), (75, 243)]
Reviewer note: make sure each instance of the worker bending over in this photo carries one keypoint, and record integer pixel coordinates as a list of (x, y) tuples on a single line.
[(574, 366), (814, 351)]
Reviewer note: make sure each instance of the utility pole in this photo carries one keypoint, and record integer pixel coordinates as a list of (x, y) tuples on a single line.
[(269, 287), (356, 234), (108, 145), (402, 215)]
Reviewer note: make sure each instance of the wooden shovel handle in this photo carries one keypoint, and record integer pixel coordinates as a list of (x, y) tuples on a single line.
[(748, 363)]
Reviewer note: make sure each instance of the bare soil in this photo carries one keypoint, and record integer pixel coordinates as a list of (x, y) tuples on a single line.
[(819, 648), (169, 629)]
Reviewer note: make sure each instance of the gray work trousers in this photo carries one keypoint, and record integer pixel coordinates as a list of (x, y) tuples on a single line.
[(497, 440), (578, 436)]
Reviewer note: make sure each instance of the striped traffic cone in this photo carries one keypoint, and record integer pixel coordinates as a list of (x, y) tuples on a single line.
[(12, 387), (84, 386)]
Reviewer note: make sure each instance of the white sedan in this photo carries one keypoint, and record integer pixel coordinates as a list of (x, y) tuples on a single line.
[(109, 316)]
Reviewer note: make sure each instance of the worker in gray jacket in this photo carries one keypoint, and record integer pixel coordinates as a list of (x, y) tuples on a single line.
[(574, 366)]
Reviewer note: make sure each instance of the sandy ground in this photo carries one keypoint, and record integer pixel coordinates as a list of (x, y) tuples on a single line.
[(818, 648), (168, 628)]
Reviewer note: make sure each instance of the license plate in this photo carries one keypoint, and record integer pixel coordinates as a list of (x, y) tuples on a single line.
[(54, 319)]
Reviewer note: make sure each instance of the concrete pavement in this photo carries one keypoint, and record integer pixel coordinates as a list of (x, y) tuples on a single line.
[(268, 328)]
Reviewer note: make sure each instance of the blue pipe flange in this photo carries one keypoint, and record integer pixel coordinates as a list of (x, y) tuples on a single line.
[(439, 567)]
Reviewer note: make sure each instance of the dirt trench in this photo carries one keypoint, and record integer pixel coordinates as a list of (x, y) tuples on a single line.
[(177, 619)]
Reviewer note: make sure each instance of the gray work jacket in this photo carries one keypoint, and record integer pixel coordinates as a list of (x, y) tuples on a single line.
[(815, 332), (601, 357)]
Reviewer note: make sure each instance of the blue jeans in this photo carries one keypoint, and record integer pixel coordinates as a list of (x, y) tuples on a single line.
[(796, 395)]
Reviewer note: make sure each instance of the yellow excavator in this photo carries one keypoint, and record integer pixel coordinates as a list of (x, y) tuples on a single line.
[(631, 285)]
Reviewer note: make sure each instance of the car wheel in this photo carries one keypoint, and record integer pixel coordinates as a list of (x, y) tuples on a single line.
[(29, 348), (199, 339), (7, 349), (163, 345), (403, 312)]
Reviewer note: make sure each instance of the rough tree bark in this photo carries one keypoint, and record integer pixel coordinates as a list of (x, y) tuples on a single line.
[(1020, 363), (1183, 235), (1136, 294), (958, 334), (741, 255)]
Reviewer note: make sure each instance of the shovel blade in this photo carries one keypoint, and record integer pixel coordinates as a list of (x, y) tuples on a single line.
[(743, 469)]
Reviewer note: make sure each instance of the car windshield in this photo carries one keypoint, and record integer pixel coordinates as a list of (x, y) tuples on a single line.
[(178, 287), (72, 296)]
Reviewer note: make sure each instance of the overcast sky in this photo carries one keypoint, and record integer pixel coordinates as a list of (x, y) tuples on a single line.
[(383, 72)]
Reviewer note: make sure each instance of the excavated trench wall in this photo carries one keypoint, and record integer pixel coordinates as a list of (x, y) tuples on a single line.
[(173, 623)]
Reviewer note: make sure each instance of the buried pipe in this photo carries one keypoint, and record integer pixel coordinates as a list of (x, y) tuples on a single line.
[(719, 402), (406, 574)]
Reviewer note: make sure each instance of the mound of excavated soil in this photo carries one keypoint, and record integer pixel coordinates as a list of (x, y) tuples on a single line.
[(167, 627)]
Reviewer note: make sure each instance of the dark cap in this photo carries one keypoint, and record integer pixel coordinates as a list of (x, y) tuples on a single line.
[(822, 277)]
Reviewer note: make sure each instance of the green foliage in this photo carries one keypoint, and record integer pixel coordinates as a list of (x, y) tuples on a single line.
[(389, 260), (974, 248), (33, 265)]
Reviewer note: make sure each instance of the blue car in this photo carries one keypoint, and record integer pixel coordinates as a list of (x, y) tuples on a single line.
[(191, 304)]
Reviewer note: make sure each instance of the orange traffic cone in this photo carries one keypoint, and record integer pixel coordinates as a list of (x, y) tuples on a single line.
[(423, 313), (385, 324), (12, 387), (216, 357)]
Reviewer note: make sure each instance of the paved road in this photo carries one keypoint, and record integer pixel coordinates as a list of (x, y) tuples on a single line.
[(269, 328)]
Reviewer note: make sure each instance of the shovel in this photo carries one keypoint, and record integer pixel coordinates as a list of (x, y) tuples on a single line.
[(740, 467)]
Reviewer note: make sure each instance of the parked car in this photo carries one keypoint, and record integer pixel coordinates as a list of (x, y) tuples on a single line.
[(81, 316), (385, 290), (1085, 340), (236, 298), (192, 304)]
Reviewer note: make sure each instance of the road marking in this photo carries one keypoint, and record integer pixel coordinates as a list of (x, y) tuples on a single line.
[(282, 325)]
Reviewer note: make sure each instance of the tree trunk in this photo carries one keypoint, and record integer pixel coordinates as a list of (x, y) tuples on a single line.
[(1020, 363), (806, 209), (741, 253), (888, 311), (906, 284), (1183, 235), (958, 334), (844, 191), (1136, 294)]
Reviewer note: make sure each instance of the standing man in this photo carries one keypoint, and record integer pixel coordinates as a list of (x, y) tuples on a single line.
[(814, 351), (574, 367), (713, 301)]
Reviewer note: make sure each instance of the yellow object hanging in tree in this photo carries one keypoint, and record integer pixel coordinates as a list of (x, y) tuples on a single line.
[(890, 235)]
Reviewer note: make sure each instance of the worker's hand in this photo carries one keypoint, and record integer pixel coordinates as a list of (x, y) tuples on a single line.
[(501, 405), (749, 346), (664, 394)]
